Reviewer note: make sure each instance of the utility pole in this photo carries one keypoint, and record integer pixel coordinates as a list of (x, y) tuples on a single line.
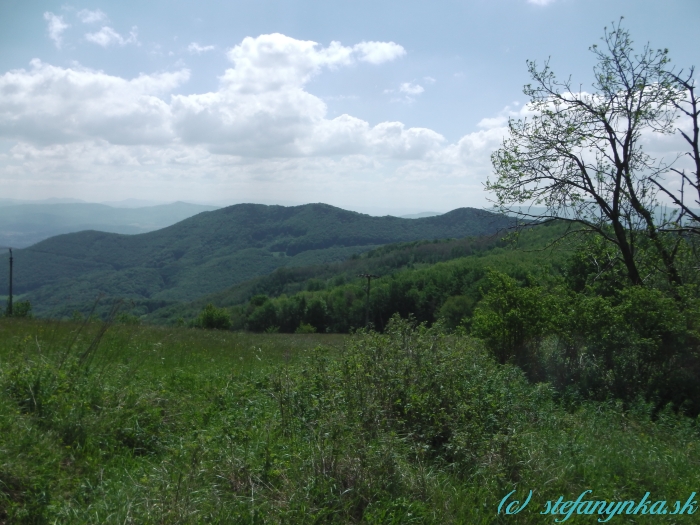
[(9, 302), (369, 278)]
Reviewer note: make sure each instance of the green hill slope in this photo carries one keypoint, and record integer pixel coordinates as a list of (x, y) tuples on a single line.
[(215, 250), (424, 278)]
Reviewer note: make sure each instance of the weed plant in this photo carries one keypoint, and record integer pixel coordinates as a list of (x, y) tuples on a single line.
[(137, 424)]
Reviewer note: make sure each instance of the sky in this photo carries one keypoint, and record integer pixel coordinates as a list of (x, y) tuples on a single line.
[(383, 107)]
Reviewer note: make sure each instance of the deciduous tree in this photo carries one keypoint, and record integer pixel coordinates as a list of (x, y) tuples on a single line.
[(580, 154)]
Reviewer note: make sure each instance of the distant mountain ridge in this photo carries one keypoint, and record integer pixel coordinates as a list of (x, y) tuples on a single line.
[(217, 249), (53, 200), (421, 215), (23, 224)]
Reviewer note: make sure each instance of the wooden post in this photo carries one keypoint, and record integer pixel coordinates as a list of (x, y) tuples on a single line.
[(9, 302), (369, 277)]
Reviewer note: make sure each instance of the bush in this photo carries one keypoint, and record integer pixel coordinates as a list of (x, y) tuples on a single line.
[(20, 309), (638, 343), (455, 309), (411, 392), (317, 314), (263, 317), (213, 318), (448, 399), (130, 319), (305, 329), (634, 342), (512, 320)]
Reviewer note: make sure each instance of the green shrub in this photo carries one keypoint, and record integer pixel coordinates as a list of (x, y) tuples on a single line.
[(213, 318), (305, 329), (456, 309), (125, 318), (637, 343), (627, 343), (447, 397), (412, 426), (512, 320), (263, 317), (20, 309), (317, 314)]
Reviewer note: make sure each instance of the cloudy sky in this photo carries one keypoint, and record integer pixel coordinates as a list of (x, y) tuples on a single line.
[(382, 107)]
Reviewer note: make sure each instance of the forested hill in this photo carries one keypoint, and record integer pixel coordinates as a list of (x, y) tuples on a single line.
[(214, 250)]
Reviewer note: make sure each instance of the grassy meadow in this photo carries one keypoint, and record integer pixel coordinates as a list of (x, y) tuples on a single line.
[(147, 425)]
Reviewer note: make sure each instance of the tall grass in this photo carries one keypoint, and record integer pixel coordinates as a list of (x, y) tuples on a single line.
[(412, 426)]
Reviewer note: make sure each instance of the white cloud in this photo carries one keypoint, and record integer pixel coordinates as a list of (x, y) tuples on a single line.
[(541, 2), (500, 121), (393, 139), (90, 17), (107, 36), (52, 105), (195, 49), (378, 52), (263, 110), (408, 90), (259, 135), (260, 125), (261, 107), (411, 88), (271, 62), (347, 135), (260, 110), (55, 26)]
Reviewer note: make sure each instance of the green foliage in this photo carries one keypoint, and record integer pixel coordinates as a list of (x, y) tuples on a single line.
[(126, 318), (625, 343), (305, 329), (291, 281), (19, 309), (559, 159), (636, 343), (596, 266), (316, 314), (512, 320), (413, 382), (456, 310), (417, 393), (263, 317), (213, 318), (444, 290), (409, 426)]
